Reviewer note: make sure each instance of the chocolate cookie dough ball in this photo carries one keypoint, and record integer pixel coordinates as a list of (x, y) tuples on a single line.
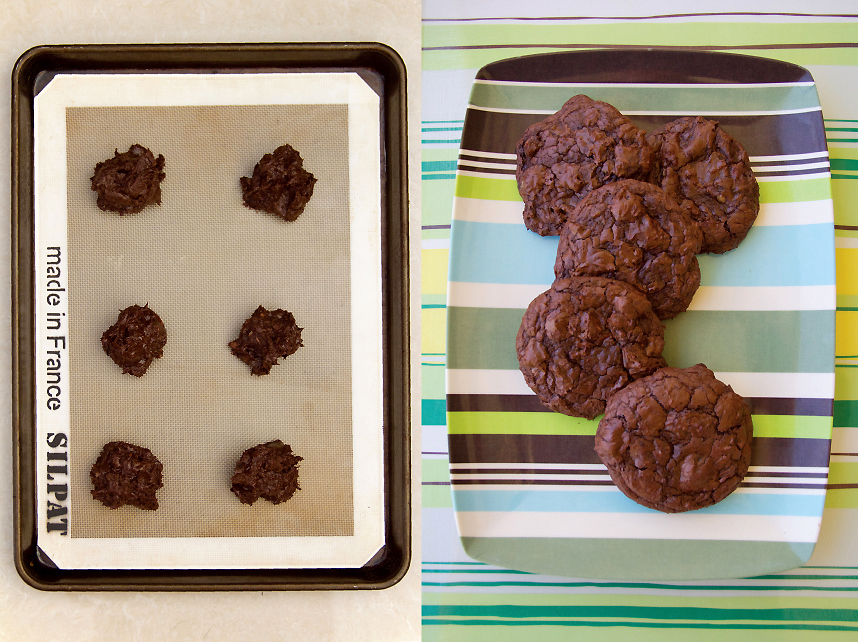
[(709, 174), (634, 232), (269, 471), (129, 181), (561, 159), (584, 339), (136, 339), (676, 441), (279, 185), (265, 336), (125, 474)]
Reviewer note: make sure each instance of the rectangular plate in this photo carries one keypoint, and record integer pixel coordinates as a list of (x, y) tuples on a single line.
[(528, 489), (199, 256)]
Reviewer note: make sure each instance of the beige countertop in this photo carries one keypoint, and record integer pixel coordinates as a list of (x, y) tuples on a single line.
[(380, 616)]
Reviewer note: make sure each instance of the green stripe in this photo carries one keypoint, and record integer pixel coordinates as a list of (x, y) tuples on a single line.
[(433, 412), (636, 624), (437, 202), (436, 470), (631, 559), (490, 189), (550, 423), (496, 189), (624, 33), (726, 341), (514, 611), (845, 412), (432, 383), (435, 497), (710, 100), (518, 423)]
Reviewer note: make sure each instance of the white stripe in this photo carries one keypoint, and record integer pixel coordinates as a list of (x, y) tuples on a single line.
[(730, 298), (506, 177), (782, 158), (769, 298), (435, 244), (797, 177), (510, 212), (782, 481), (659, 112), (798, 470), (789, 168), (469, 163), (787, 157), (655, 525), (846, 242), (845, 440), (789, 385), (590, 488), (645, 85), (534, 466), (498, 155)]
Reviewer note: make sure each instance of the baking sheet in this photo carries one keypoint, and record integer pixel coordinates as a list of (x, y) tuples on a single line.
[(204, 262)]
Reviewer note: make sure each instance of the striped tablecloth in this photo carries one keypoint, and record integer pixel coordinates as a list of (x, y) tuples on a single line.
[(467, 600)]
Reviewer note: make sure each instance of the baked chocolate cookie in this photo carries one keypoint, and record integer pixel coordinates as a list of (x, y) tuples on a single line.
[(265, 336), (584, 339), (279, 185), (708, 173), (129, 181), (269, 471), (561, 159), (677, 440), (136, 339), (125, 474), (634, 232)]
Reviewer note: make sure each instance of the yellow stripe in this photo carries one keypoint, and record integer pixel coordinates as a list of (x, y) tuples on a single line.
[(434, 269), (847, 270), (434, 321), (846, 332)]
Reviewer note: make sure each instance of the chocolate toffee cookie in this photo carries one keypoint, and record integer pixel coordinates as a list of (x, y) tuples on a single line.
[(129, 181), (279, 185), (125, 474), (676, 441), (269, 471), (709, 174), (634, 232), (136, 339), (264, 337), (561, 159), (584, 339)]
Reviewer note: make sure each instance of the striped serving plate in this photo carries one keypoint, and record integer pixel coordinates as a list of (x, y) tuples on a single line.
[(528, 489)]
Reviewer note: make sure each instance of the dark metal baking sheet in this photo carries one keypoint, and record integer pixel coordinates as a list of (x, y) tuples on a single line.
[(384, 71)]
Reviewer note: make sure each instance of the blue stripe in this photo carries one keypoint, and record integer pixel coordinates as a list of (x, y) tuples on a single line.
[(769, 256), (613, 501)]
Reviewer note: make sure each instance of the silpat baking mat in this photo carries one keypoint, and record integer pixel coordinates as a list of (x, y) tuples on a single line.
[(204, 262)]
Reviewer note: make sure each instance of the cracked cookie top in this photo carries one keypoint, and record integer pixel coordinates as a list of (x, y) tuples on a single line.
[(709, 174), (634, 232), (584, 339), (677, 440), (564, 157)]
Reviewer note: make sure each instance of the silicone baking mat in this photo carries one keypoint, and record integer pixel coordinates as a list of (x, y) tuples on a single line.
[(204, 262)]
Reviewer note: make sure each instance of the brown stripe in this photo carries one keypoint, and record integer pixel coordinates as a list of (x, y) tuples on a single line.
[(578, 449), (530, 403), (841, 486), (846, 227)]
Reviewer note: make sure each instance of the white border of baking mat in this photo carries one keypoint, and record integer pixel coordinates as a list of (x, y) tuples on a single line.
[(54, 505)]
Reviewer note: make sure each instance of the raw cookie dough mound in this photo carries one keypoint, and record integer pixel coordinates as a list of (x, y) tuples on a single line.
[(136, 339), (129, 181), (280, 185), (269, 471), (265, 336), (561, 159), (709, 174), (634, 232), (125, 474), (676, 441), (584, 339)]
